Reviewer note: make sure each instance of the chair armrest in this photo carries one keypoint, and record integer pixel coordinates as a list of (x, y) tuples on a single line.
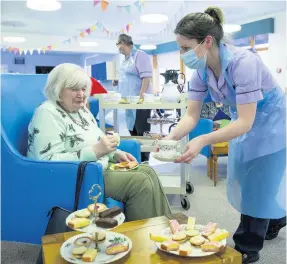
[(94, 106), (131, 146), (31, 188)]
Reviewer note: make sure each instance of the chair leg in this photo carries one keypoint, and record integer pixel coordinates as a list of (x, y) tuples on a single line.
[(215, 169), (209, 168)]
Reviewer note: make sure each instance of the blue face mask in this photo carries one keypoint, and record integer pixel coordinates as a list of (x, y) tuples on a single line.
[(191, 60)]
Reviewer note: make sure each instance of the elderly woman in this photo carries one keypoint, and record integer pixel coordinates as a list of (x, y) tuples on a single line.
[(64, 129)]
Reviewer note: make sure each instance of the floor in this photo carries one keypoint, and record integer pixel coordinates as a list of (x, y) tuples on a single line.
[(208, 203)]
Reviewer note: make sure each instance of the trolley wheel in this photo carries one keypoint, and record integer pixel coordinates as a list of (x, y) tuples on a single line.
[(185, 203), (189, 188)]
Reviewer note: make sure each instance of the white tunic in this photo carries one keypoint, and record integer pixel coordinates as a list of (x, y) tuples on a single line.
[(57, 135)]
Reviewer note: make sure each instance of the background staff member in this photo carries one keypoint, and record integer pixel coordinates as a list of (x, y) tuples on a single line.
[(134, 79)]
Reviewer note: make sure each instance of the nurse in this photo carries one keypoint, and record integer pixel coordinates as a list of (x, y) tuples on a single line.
[(134, 79), (256, 135)]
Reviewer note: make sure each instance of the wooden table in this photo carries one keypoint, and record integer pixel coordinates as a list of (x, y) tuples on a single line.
[(144, 250), (219, 149)]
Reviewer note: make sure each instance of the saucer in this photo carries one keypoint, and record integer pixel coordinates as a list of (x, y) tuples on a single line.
[(166, 159)]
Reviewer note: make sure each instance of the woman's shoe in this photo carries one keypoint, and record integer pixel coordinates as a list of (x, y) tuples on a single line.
[(274, 231), (249, 258)]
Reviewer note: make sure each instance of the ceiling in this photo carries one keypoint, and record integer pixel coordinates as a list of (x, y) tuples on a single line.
[(48, 28)]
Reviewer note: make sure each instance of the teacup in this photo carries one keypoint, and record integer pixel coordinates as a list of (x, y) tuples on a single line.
[(167, 148)]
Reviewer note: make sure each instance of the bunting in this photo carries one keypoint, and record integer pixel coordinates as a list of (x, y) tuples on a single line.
[(99, 25), (139, 4)]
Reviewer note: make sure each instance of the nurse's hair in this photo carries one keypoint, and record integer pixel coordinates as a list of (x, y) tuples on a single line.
[(199, 25), (126, 39), (66, 75)]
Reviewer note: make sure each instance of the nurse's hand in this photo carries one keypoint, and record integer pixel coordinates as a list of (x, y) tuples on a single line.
[(193, 148), (121, 156)]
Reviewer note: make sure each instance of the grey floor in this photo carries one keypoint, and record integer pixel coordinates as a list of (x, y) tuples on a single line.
[(208, 203)]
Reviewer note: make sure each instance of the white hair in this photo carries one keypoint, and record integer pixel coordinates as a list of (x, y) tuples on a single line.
[(66, 75)]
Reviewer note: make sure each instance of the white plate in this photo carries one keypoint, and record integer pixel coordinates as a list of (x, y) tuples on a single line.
[(164, 159), (112, 168), (91, 228), (196, 251), (102, 257)]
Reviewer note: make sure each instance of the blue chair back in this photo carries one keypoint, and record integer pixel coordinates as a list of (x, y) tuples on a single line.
[(204, 126), (18, 106)]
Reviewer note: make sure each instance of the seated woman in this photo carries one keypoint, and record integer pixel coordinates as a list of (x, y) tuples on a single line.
[(62, 128)]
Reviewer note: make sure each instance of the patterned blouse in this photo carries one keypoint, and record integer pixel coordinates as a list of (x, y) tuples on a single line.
[(55, 134)]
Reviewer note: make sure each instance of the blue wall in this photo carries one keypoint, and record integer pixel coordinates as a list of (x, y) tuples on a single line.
[(261, 27), (31, 61)]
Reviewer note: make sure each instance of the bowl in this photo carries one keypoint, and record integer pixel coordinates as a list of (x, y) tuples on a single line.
[(133, 99)]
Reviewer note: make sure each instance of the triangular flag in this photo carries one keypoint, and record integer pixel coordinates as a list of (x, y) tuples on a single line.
[(88, 31), (10, 49), (44, 50), (39, 51), (49, 47), (128, 28), (25, 52), (82, 34), (138, 5), (20, 51), (123, 31), (104, 5), (96, 2), (75, 38), (15, 50), (31, 51), (120, 8), (68, 41), (142, 2), (93, 28), (128, 8), (54, 46)]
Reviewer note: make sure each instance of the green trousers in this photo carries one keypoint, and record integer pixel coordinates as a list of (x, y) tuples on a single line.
[(140, 190)]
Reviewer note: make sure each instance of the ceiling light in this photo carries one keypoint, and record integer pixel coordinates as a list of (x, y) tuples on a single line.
[(14, 39), (153, 18), (229, 28), (44, 5), (148, 47), (88, 44)]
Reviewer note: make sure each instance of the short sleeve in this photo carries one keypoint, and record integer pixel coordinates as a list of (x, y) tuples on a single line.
[(198, 89), (247, 77), (143, 65)]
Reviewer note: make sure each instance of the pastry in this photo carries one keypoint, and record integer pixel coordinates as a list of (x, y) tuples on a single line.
[(185, 250), (116, 248), (101, 207), (78, 222), (192, 233), (190, 223), (197, 240), (158, 238), (218, 235), (121, 165), (209, 229), (169, 245), (83, 213), (212, 247), (132, 164), (106, 222), (83, 241), (179, 237), (90, 255), (101, 236), (79, 250), (112, 212), (174, 226)]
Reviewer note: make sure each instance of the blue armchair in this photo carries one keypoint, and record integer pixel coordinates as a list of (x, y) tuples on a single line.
[(29, 187)]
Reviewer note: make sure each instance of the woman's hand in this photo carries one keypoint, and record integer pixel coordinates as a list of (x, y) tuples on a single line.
[(193, 148), (106, 145), (121, 156)]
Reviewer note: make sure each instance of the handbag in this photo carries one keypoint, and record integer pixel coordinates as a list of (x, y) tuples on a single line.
[(58, 215)]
